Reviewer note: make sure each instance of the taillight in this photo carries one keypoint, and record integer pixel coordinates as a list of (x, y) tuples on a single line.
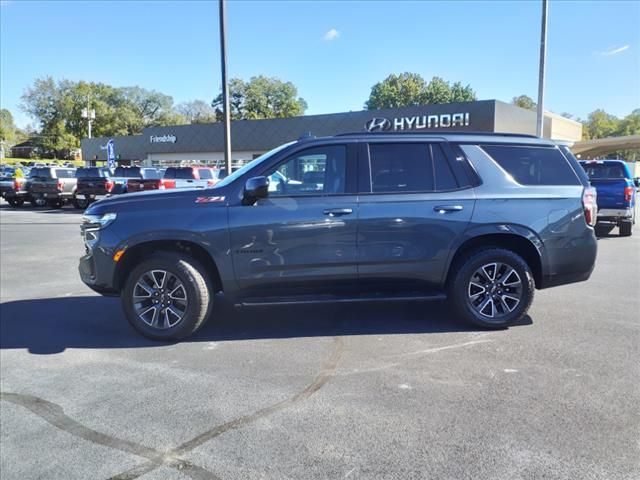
[(17, 183), (159, 185), (590, 205), (211, 183), (628, 194), (169, 183), (60, 185), (108, 185)]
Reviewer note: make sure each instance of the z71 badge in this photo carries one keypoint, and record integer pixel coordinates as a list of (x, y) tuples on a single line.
[(209, 199)]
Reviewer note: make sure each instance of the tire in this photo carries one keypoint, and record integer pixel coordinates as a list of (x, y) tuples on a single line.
[(38, 202), (196, 289), (472, 275), (15, 202), (626, 228), (56, 203), (81, 203)]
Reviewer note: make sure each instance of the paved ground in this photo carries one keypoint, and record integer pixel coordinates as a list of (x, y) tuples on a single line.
[(358, 392)]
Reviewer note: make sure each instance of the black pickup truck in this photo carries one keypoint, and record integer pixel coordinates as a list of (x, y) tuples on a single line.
[(53, 186), (92, 183)]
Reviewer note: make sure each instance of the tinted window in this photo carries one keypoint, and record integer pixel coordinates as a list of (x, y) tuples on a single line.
[(533, 165), (41, 172), (314, 171), (205, 173), (183, 173), (604, 170), (91, 172), (444, 176), (574, 164), (65, 173), (127, 172), (401, 167), (150, 173)]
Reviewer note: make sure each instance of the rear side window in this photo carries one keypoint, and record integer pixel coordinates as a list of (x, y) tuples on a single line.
[(604, 170), (444, 176), (530, 165), (401, 167)]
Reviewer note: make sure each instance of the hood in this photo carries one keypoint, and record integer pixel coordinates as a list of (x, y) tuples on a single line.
[(160, 200)]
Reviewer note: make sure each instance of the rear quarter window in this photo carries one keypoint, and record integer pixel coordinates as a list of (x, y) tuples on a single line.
[(532, 165)]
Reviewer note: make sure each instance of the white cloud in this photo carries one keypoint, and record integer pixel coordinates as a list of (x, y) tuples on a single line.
[(614, 51), (332, 34)]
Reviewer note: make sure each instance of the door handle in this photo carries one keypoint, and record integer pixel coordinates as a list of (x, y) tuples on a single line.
[(447, 208), (337, 212)]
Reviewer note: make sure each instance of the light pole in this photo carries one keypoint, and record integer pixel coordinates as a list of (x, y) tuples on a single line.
[(90, 115), (543, 61), (225, 87)]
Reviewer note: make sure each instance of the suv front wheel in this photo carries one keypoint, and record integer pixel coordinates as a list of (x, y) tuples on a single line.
[(492, 288), (167, 296)]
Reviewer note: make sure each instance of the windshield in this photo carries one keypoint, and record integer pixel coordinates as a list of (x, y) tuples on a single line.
[(241, 171)]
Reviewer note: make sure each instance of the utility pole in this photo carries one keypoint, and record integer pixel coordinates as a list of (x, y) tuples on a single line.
[(225, 87), (89, 114), (541, 75)]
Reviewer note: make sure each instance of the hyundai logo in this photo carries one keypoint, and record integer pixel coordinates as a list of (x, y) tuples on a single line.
[(378, 124)]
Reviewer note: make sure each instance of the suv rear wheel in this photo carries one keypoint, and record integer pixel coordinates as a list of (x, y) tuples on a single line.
[(492, 288), (167, 296)]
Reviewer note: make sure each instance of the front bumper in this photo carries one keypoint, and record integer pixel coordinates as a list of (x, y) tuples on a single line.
[(96, 267)]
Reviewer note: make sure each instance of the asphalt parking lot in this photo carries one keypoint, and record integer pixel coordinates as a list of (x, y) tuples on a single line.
[(364, 391)]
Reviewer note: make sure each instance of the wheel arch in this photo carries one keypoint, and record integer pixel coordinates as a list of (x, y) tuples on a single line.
[(134, 254), (525, 244)]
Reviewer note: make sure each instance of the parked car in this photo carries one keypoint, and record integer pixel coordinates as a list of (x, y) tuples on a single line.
[(93, 183), (616, 189), (15, 190), (54, 186), (152, 179), (121, 177), (480, 219), (189, 177)]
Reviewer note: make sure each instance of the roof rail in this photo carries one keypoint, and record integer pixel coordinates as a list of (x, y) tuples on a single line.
[(437, 133)]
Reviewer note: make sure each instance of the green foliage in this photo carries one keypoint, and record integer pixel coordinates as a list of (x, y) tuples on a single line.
[(7, 127), (197, 111), (410, 89), (261, 97), (524, 101), (57, 106), (600, 124)]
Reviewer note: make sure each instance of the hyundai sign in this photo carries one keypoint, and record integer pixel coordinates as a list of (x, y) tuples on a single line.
[(417, 122)]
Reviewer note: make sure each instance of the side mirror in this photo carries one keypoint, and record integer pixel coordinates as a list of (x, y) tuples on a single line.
[(636, 181), (254, 189)]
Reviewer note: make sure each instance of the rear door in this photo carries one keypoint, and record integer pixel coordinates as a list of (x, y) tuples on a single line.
[(304, 233), (413, 204)]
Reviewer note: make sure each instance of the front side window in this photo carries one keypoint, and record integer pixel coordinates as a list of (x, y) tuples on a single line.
[(315, 171)]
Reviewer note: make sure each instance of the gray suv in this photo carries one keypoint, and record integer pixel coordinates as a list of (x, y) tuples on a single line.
[(479, 219)]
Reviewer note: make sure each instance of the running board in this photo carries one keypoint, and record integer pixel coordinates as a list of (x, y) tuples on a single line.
[(319, 299)]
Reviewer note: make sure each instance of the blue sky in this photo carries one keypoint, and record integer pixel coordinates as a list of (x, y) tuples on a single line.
[(332, 51)]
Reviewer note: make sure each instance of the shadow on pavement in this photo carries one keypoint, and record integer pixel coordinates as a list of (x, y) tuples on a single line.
[(46, 326)]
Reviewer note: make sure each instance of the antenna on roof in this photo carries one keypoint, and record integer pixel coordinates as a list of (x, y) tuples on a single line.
[(306, 136)]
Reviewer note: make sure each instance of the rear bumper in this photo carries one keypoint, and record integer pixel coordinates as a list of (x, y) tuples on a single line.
[(613, 214), (52, 195), (573, 262)]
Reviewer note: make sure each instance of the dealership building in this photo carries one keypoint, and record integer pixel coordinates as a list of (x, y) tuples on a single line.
[(204, 143)]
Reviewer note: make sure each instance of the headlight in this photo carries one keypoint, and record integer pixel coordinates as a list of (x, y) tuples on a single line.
[(98, 222)]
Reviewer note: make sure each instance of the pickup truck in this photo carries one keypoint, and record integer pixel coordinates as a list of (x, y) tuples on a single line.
[(121, 177), (93, 183), (152, 179), (53, 186), (191, 177), (14, 189), (616, 193)]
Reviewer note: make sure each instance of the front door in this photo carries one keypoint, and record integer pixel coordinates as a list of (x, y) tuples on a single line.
[(304, 232)]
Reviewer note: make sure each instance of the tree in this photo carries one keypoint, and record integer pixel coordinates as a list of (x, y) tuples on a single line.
[(261, 97), (410, 89), (197, 111), (600, 124), (7, 127), (524, 101)]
